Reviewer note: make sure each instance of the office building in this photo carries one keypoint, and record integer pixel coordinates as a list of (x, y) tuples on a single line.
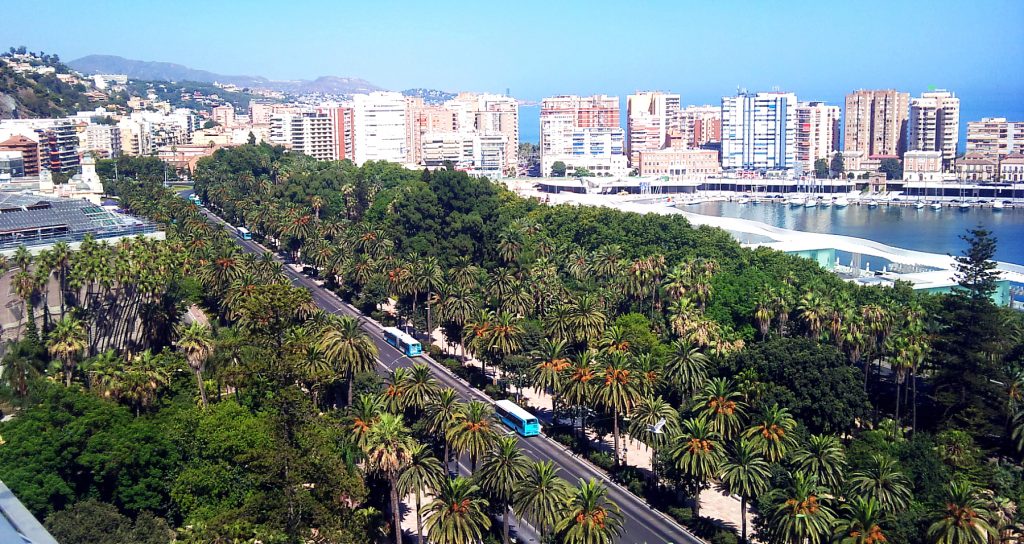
[(995, 137), (759, 131), (309, 133), (582, 132), (817, 135), (379, 127), (934, 125), (675, 163), (649, 118), (876, 122)]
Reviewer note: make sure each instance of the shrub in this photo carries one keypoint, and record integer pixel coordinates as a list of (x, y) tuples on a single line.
[(724, 536), (601, 459), (682, 514)]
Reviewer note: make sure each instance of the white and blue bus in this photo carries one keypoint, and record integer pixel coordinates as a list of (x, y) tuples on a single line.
[(520, 420), (405, 343), (194, 198), (244, 233)]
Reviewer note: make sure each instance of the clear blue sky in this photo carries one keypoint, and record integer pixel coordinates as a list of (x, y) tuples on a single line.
[(820, 49)]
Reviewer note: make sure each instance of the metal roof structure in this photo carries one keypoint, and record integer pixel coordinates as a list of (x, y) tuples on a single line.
[(32, 220), (17, 524)]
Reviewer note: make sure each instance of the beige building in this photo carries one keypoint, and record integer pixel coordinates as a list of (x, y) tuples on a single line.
[(223, 115), (817, 133), (934, 125), (649, 119), (976, 167), (486, 116), (422, 120), (679, 163), (995, 137), (1011, 168), (922, 166), (876, 122), (696, 127)]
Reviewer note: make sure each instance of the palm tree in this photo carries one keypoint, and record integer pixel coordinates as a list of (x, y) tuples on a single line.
[(441, 412), (349, 348), (196, 343), (697, 451), (813, 311), (798, 515), (558, 323), (503, 467), (457, 305), (647, 413), (395, 390), (579, 385), (541, 497), (457, 515), (763, 313), (18, 367), (860, 523), (421, 387), (472, 431), (550, 364), (365, 414), (618, 391), (421, 475), (772, 433), (721, 404), (686, 366), (586, 318), (745, 473), (964, 520), (592, 518), (882, 481), (823, 457), (65, 342), (388, 451)]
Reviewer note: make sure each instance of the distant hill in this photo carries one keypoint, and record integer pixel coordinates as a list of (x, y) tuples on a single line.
[(167, 71), (430, 96), (38, 92)]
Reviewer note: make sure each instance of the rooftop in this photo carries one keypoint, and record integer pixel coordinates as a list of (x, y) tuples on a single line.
[(33, 220)]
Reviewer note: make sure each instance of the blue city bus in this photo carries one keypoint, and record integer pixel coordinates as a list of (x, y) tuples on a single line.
[(194, 198), (520, 420), (244, 233), (405, 343)]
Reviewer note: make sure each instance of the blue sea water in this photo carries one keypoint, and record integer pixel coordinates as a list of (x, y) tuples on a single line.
[(934, 231)]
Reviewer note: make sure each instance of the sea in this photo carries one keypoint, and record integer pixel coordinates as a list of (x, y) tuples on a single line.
[(934, 231)]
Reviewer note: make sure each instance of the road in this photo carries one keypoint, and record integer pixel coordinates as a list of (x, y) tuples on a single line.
[(642, 524)]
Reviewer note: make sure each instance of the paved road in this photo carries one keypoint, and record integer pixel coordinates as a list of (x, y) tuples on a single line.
[(642, 524)]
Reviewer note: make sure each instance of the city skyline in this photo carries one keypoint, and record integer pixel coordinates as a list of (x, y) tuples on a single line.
[(510, 51)]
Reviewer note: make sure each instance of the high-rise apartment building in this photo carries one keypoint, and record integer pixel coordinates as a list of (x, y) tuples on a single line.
[(649, 119), (379, 127), (426, 119), (310, 133), (103, 140), (342, 121), (759, 131), (817, 133), (876, 122), (697, 127), (490, 114), (582, 132), (29, 150), (934, 125), (223, 115), (995, 137)]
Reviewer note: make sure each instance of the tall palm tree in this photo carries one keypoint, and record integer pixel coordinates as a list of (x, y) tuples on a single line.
[(686, 366), (472, 431), (698, 452), (591, 517), (504, 466), (18, 367), (882, 480), (799, 516), (421, 387), (823, 456), (65, 342), (859, 522), (441, 412), (422, 474), (813, 310), (365, 413), (745, 473), (721, 403), (647, 413), (457, 304), (458, 514), (388, 451), (196, 342), (349, 348), (773, 433), (550, 364), (617, 391), (964, 520), (580, 382), (558, 323), (396, 388), (541, 497), (587, 318), (763, 313)]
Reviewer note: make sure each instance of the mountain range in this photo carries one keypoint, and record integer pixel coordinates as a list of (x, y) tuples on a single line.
[(168, 71)]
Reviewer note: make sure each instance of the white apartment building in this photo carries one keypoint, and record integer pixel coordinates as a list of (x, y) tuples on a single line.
[(995, 137), (309, 133), (696, 127), (649, 119), (490, 114), (104, 140), (379, 132), (759, 131), (817, 135), (934, 125), (143, 132), (582, 132), (477, 151)]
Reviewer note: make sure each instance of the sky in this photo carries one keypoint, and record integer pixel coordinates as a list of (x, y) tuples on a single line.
[(820, 49)]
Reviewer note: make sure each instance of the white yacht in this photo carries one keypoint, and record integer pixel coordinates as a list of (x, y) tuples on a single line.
[(997, 206), (872, 203), (810, 203), (965, 205), (841, 202), (936, 205), (919, 205)]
